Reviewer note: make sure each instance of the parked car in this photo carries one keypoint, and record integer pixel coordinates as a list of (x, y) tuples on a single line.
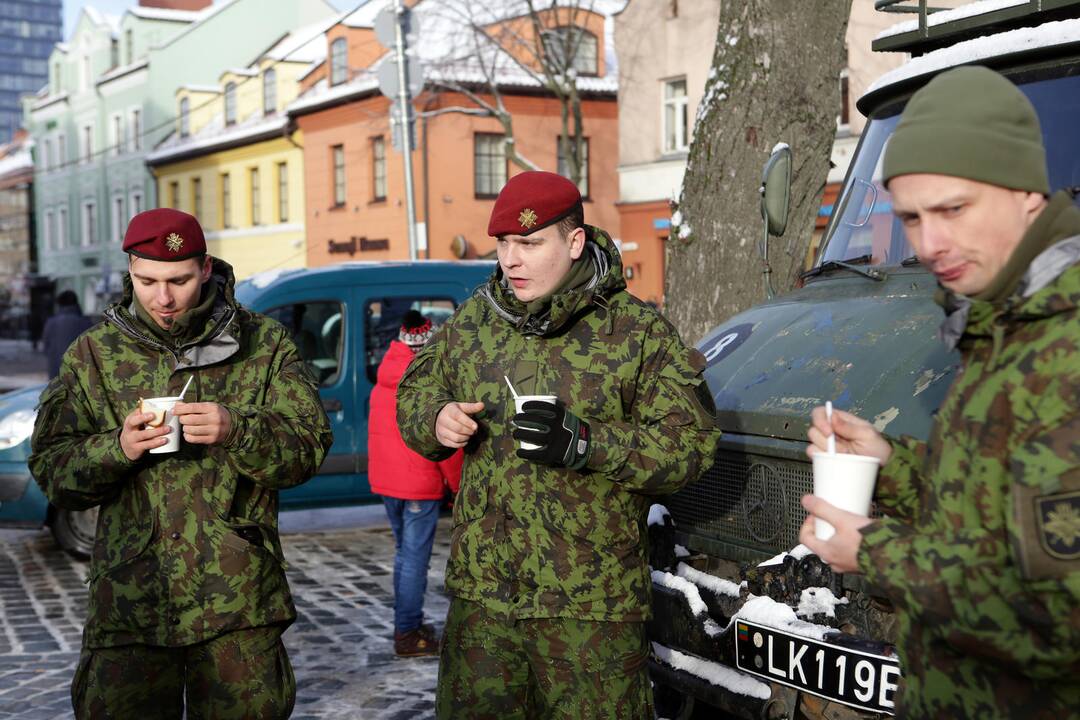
[(342, 318), (745, 619)]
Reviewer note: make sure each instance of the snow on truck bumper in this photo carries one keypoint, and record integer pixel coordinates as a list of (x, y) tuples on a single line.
[(769, 639)]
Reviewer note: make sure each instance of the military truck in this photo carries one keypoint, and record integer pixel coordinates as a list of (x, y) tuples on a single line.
[(746, 619)]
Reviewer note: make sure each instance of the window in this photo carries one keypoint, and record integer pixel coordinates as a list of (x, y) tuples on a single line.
[(675, 116), (136, 130), (46, 155), (226, 202), (56, 77), (87, 143), (339, 175), (185, 117), (378, 167), (230, 103), (61, 228), (196, 198), (114, 53), (116, 142), (49, 238), (571, 42), (253, 186), (283, 192), (174, 195), (269, 91), (61, 150), (135, 203), (564, 165), (489, 163), (319, 334), (382, 322), (339, 68), (118, 223), (85, 76), (89, 224), (129, 47)]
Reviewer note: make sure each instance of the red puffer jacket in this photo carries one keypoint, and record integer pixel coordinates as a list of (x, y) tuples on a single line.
[(393, 469)]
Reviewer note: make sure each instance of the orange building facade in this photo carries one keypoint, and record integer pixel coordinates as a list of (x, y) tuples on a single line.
[(354, 178)]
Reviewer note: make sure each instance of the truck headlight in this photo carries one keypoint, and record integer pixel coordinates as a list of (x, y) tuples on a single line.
[(16, 427)]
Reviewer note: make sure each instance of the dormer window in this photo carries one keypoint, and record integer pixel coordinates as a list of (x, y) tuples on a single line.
[(339, 66), (185, 117), (575, 43), (230, 103), (269, 91)]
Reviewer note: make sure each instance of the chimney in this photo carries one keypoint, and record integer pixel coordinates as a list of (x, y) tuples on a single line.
[(176, 4)]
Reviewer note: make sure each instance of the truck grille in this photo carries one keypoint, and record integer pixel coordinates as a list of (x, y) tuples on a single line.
[(746, 499)]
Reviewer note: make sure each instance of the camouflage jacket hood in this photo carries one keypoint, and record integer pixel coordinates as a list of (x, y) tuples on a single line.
[(607, 280), (187, 546), (980, 549), (535, 541)]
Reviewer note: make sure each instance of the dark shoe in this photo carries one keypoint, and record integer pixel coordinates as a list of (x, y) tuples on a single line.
[(415, 643)]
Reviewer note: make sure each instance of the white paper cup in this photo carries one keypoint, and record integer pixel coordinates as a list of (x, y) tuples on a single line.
[(846, 481), (520, 400), (166, 404)]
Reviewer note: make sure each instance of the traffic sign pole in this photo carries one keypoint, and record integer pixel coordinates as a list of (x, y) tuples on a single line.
[(406, 135)]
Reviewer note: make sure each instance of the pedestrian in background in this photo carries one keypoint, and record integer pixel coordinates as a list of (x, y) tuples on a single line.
[(548, 566), (188, 597), (979, 549), (412, 487), (62, 328)]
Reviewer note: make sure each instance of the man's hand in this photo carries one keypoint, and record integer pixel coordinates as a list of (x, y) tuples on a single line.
[(454, 426), (853, 435), (204, 423), (136, 438), (562, 436), (841, 549)]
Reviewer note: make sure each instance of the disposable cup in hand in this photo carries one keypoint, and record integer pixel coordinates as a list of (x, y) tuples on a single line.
[(846, 481), (166, 404), (519, 402)]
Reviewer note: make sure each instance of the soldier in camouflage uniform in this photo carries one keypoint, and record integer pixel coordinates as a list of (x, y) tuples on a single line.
[(980, 549), (548, 568), (187, 581)]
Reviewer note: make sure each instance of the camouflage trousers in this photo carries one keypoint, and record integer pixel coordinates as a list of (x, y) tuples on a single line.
[(493, 667), (242, 674)]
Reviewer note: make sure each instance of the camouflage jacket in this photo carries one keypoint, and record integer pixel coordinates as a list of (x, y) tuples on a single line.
[(535, 541), (187, 544), (980, 553)]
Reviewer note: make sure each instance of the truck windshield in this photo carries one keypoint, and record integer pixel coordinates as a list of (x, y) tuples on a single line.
[(866, 225)]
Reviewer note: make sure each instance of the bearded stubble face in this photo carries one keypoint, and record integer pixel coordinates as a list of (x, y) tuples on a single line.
[(167, 290)]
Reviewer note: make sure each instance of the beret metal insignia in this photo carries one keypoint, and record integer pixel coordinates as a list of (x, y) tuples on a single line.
[(527, 218), (174, 242)]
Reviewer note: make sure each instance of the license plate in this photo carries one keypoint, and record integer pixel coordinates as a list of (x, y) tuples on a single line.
[(852, 677)]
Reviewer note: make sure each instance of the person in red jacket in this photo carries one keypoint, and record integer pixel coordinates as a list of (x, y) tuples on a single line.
[(412, 488)]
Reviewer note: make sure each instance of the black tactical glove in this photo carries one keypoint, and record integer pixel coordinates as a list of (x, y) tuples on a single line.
[(563, 437)]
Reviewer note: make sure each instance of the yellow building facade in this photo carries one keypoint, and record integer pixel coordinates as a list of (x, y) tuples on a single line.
[(234, 162)]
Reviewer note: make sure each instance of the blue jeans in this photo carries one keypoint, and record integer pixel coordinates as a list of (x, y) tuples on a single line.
[(413, 523)]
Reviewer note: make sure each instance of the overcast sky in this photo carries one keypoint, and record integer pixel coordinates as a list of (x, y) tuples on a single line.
[(72, 8)]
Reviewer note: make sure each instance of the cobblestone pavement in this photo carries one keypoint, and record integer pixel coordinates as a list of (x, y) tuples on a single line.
[(341, 645)]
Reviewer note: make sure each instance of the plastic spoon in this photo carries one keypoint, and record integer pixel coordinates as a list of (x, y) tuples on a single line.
[(831, 440), (180, 397)]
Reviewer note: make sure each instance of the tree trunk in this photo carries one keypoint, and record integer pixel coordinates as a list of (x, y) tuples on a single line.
[(774, 78)]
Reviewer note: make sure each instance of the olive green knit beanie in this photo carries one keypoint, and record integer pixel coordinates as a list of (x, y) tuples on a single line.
[(973, 123)]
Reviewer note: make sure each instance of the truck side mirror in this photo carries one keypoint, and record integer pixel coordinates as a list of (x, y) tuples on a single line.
[(775, 197), (776, 190)]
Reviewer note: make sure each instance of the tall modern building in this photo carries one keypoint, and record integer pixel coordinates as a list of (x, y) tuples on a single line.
[(28, 31)]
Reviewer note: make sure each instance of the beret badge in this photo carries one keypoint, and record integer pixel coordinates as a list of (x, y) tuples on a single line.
[(527, 218), (174, 242)]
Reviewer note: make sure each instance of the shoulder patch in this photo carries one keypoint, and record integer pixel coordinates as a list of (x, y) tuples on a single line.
[(1058, 518)]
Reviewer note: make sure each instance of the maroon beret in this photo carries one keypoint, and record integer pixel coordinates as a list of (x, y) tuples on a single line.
[(164, 234), (531, 201)]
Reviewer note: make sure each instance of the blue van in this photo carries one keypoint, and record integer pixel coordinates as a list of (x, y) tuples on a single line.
[(342, 318)]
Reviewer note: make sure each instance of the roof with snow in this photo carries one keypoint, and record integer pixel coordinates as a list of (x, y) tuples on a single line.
[(306, 44), (152, 13), (215, 136)]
